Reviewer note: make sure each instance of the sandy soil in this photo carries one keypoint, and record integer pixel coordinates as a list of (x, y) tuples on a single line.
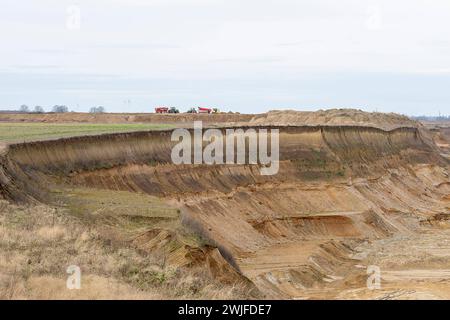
[(353, 190), (333, 117)]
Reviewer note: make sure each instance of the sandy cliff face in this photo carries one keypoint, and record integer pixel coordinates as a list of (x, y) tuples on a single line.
[(290, 233), (304, 151)]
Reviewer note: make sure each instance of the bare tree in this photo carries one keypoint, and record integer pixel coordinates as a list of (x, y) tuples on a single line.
[(24, 108), (38, 109), (60, 109), (98, 109)]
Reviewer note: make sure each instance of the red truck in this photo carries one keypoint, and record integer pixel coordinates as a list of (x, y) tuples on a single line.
[(161, 109), (204, 110)]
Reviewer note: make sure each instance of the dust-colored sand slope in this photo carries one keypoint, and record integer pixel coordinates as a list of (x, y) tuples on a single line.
[(314, 151), (334, 117), (288, 233)]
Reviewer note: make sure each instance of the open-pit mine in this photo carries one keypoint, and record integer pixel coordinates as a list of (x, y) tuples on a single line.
[(357, 196)]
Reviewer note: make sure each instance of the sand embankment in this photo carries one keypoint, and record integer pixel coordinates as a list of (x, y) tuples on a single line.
[(337, 185)]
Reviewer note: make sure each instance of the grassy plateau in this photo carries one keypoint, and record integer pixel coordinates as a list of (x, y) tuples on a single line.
[(22, 132)]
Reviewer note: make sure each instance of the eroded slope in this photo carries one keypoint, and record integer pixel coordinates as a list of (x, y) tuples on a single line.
[(294, 234)]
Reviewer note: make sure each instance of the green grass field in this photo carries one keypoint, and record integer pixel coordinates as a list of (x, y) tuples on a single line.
[(20, 132)]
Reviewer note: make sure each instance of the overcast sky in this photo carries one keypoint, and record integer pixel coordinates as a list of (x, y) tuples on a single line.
[(240, 55)]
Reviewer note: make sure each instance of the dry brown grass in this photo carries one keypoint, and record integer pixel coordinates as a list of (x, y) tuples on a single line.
[(38, 243)]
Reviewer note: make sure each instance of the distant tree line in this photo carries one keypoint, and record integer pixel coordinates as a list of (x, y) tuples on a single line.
[(98, 109), (38, 109), (431, 118), (57, 109), (60, 109), (25, 109)]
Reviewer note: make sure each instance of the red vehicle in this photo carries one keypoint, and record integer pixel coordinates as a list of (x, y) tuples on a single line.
[(161, 109), (204, 110)]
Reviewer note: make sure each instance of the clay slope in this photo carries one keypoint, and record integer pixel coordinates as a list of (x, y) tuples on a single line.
[(289, 233)]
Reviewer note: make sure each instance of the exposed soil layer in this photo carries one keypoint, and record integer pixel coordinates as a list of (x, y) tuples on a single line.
[(307, 231), (441, 137)]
